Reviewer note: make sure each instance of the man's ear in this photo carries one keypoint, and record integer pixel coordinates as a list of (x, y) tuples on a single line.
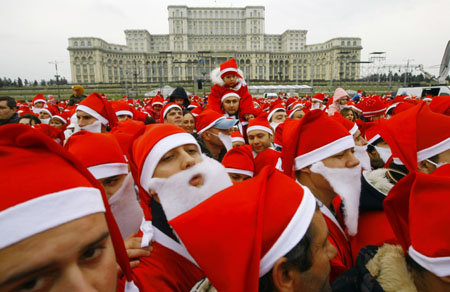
[(425, 167), (283, 276), (206, 136), (271, 138)]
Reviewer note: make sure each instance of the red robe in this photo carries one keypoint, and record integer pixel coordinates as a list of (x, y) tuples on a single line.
[(339, 239), (165, 271)]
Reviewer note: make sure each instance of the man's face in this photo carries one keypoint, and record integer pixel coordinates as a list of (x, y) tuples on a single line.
[(112, 184), (123, 117), (298, 115), (231, 105), (359, 139), (213, 136), (238, 177), (57, 123), (315, 104), (59, 259), (322, 252), (178, 159), (5, 111), (84, 119), (157, 107), (230, 80), (39, 105), (174, 116), (43, 115), (279, 117), (259, 140), (375, 159)]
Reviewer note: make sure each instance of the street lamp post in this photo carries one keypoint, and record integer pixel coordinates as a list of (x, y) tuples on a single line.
[(57, 77)]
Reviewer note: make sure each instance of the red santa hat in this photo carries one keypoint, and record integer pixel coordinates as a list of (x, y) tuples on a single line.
[(236, 136), (196, 111), (318, 97), (121, 107), (152, 145), (157, 100), (267, 157), (418, 209), (165, 110), (441, 104), (372, 132), (372, 106), (229, 94), (50, 110), (39, 98), (239, 160), (276, 107), (75, 194), (208, 119), (416, 134), (99, 108), (259, 123), (349, 125), (330, 138), (252, 224), (99, 153), (63, 117), (229, 68)]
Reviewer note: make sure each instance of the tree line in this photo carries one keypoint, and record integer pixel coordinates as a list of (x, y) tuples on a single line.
[(19, 82)]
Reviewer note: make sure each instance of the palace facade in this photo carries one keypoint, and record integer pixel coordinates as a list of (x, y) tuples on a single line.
[(200, 38)]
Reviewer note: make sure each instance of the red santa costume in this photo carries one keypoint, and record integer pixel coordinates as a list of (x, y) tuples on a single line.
[(219, 89), (170, 266), (301, 151)]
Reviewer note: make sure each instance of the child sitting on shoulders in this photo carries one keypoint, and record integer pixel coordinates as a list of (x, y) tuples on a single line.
[(228, 78)]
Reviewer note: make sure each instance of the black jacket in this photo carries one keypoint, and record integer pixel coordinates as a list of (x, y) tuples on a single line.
[(14, 119)]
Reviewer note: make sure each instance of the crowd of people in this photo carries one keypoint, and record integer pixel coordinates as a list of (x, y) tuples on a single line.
[(225, 192)]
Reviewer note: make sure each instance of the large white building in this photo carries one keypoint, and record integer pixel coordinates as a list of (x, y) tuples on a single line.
[(200, 38)]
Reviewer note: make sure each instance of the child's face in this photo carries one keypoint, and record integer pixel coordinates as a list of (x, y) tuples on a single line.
[(230, 80)]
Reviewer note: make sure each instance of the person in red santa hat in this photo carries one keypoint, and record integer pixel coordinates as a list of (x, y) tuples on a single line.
[(95, 114), (39, 102), (62, 235), (171, 113), (169, 168), (271, 250), (102, 155), (213, 133), (122, 109), (317, 101), (418, 211), (237, 139), (276, 115), (239, 163), (327, 166), (228, 78), (260, 136)]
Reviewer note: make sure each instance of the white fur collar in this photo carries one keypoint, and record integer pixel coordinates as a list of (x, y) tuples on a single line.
[(378, 180), (389, 268)]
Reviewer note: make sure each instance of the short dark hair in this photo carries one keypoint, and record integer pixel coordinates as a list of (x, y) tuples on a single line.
[(299, 257), (11, 102), (31, 117)]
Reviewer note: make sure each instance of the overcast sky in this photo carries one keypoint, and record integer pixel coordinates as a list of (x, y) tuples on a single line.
[(36, 32)]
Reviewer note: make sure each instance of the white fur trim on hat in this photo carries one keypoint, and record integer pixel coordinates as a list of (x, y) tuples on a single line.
[(60, 118), (354, 129), (380, 111), (45, 212), (237, 139), (169, 108), (46, 110), (261, 128), (294, 110), (440, 266), (433, 150), (126, 113), (278, 109), (292, 234), (93, 113), (230, 95), (108, 169), (162, 147), (323, 152), (228, 70), (39, 100), (374, 138), (239, 171)]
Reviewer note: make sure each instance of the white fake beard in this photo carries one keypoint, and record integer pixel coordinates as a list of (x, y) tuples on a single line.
[(385, 153), (95, 127), (45, 121), (178, 196), (363, 157), (36, 110), (346, 182), (226, 140), (274, 125), (315, 106), (126, 208)]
